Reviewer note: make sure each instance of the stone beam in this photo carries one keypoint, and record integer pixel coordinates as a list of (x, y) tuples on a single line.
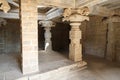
[(54, 14), (9, 15), (16, 16), (103, 11), (12, 2), (88, 3), (58, 3), (51, 10)]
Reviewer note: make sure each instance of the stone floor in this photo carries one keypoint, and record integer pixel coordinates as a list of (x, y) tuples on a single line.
[(98, 69), (10, 69)]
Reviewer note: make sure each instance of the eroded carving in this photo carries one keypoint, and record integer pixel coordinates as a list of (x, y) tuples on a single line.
[(4, 6)]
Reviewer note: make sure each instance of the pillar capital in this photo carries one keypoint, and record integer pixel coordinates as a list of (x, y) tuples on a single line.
[(76, 15), (2, 22), (47, 23), (4, 6)]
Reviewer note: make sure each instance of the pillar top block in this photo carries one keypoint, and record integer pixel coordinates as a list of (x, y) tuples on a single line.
[(76, 15), (47, 23)]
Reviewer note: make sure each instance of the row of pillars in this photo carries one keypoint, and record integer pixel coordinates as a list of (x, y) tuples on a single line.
[(29, 34)]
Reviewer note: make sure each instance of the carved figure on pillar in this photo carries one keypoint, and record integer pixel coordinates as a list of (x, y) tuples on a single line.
[(75, 16)]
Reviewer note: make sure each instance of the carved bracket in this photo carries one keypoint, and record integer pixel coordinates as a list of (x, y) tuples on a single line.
[(76, 14), (4, 6)]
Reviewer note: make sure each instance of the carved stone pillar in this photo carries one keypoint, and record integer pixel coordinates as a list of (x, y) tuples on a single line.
[(47, 27), (75, 16)]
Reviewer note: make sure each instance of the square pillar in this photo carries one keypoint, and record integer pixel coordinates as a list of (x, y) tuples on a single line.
[(29, 36), (75, 47)]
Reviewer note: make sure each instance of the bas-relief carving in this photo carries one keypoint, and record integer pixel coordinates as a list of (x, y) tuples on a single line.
[(4, 6)]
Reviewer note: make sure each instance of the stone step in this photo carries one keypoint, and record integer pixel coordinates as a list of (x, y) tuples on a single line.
[(60, 73)]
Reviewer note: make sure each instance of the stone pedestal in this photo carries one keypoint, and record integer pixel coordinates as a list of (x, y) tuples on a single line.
[(29, 36)]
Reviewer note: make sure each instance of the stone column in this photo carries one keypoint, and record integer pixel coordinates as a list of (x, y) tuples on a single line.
[(47, 27), (29, 36), (75, 47), (75, 16)]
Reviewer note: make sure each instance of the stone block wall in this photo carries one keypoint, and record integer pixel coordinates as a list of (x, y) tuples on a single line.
[(117, 40), (94, 36), (10, 37)]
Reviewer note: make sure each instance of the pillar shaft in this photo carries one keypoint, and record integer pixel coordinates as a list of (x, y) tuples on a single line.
[(75, 47), (29, 31), (48, 42)]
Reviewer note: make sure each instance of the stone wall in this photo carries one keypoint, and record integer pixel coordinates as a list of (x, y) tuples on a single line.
[(94, 37), (117, 40), (10, 37)]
